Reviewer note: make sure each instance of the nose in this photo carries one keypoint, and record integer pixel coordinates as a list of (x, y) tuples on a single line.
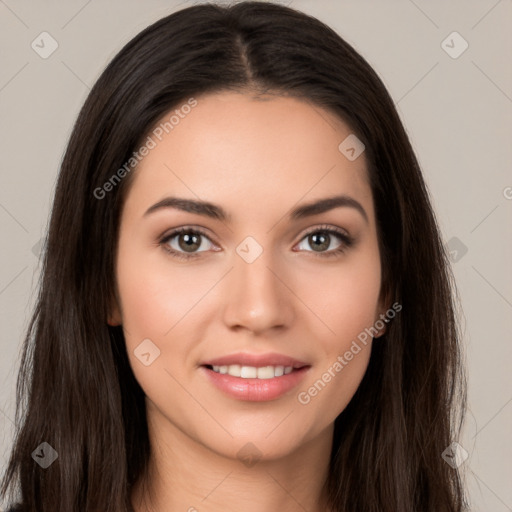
[(258, 297)]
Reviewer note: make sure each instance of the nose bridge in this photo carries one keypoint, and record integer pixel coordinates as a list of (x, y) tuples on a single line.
[(256, 298)]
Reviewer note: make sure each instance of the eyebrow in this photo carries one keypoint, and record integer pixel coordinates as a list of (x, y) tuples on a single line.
[(217, 212)]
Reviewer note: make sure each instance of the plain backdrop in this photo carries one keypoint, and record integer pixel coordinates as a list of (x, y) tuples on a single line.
[(455, 102)]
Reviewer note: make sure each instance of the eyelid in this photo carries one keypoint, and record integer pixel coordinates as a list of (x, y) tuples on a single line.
[(169, 235), (347, 240), (325, 227)]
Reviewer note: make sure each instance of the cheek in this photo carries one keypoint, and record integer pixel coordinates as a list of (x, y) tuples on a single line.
[(155, 296), (345, 299), (158, 302)]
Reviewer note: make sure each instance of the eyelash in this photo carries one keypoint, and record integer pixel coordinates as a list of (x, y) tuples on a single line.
[(347, 241)]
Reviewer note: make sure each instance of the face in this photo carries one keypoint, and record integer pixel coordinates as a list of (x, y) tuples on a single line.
[(245, 316)]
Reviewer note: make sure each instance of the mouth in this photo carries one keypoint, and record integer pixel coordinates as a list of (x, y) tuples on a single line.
[(253, 372), (255, 378)]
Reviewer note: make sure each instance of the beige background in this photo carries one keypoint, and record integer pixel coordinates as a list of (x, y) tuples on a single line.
[(457, 111)]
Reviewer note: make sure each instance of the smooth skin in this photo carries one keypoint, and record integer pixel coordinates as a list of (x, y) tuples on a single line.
[(257, 158)]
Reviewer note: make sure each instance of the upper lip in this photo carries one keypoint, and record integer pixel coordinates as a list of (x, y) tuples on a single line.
[(256, 360)]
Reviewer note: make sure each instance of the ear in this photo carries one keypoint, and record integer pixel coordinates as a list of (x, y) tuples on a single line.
[(382, 320), (114, 317), (381, 331)]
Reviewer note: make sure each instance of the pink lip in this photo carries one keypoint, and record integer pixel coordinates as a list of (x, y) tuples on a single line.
[(256, 360), (255, 390)]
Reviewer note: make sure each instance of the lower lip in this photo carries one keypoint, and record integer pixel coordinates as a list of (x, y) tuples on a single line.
[(255, 390)]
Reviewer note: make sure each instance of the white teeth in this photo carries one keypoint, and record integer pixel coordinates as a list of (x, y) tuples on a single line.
[(251, 372), (266, 372), (248, 372), (235, 370)]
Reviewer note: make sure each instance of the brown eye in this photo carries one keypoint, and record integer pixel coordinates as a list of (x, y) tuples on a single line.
[(185, 243), (189, 242), (320, 240)]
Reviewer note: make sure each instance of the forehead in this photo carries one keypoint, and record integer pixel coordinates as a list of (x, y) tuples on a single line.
[(246, 153)]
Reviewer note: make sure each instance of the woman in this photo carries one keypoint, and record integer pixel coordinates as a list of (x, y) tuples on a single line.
[(245, 300)]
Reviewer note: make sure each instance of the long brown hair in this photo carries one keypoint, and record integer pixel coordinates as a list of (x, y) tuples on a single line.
[(75, 388)]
